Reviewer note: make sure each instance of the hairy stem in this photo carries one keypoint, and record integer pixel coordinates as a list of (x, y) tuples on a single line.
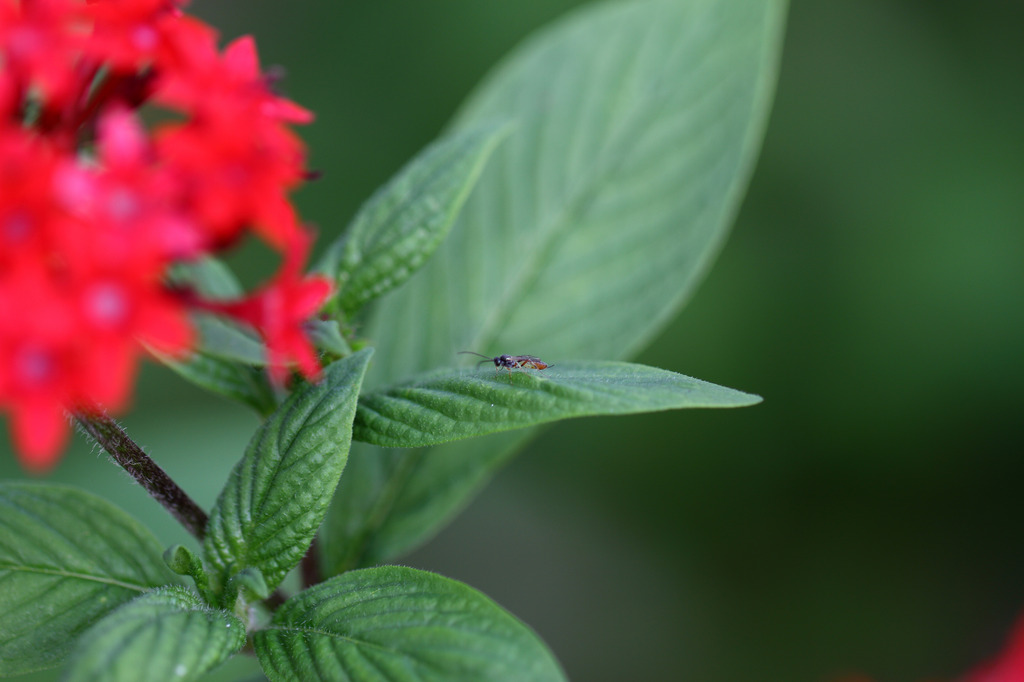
[(144, 470)]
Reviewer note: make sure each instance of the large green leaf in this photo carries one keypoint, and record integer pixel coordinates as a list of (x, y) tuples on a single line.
[(451, 404), (637, 125), (396, 624), (400, 226), (67, 558), (166, 634), (278, 493)]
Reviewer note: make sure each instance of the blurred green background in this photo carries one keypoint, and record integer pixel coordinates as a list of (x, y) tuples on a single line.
[(867, 517)]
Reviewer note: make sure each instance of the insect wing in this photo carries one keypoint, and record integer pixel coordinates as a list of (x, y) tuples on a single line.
[(529, 361)]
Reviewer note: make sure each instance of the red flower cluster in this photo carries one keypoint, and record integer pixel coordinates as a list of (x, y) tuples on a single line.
[(95, 207)]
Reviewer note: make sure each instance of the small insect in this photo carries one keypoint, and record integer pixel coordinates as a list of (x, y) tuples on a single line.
[(510, 362)]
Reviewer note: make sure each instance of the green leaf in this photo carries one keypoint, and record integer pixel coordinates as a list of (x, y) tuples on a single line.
[(406, 220), (228, 359), (67, 558), (396, 624), (224, 339), (210, 277), (219, 336), (451, 404), (237, 381), (184, 561), (250, 581), (637, 126), (326, 335), (166, 634), (395, 499), (278, 493)]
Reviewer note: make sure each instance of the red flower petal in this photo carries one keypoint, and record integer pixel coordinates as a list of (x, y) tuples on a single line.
[(240, 59), (40, 431), (109, 372), (164, 325)]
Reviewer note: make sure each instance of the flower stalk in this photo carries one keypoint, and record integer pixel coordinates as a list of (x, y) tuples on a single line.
[(146, 472)]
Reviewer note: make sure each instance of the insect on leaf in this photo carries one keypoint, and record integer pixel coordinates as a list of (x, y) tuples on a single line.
[(451, 404)]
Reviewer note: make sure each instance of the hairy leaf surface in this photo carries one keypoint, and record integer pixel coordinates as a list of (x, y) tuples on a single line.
[(278, 493), (67, 558), (166, 634), (397, 624)]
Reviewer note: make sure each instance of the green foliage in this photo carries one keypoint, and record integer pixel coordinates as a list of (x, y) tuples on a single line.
[(67, 558), (326, 335), (450, 404), (184, 561), (210, 277), (229, 378), (228, 360), (166, 634), (398, 624), (218, 337), (223, 339), (636, 126), (405, 221), (277, 495)]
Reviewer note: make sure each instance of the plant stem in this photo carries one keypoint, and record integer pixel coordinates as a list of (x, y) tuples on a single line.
[(275, 600), (144, 470), (309, 569)]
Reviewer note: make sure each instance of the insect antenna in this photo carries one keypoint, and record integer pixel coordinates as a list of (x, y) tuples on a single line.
[(479, 355)]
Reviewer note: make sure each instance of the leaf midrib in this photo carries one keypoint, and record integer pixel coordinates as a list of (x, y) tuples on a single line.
[(584, 189), (73, 574)]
